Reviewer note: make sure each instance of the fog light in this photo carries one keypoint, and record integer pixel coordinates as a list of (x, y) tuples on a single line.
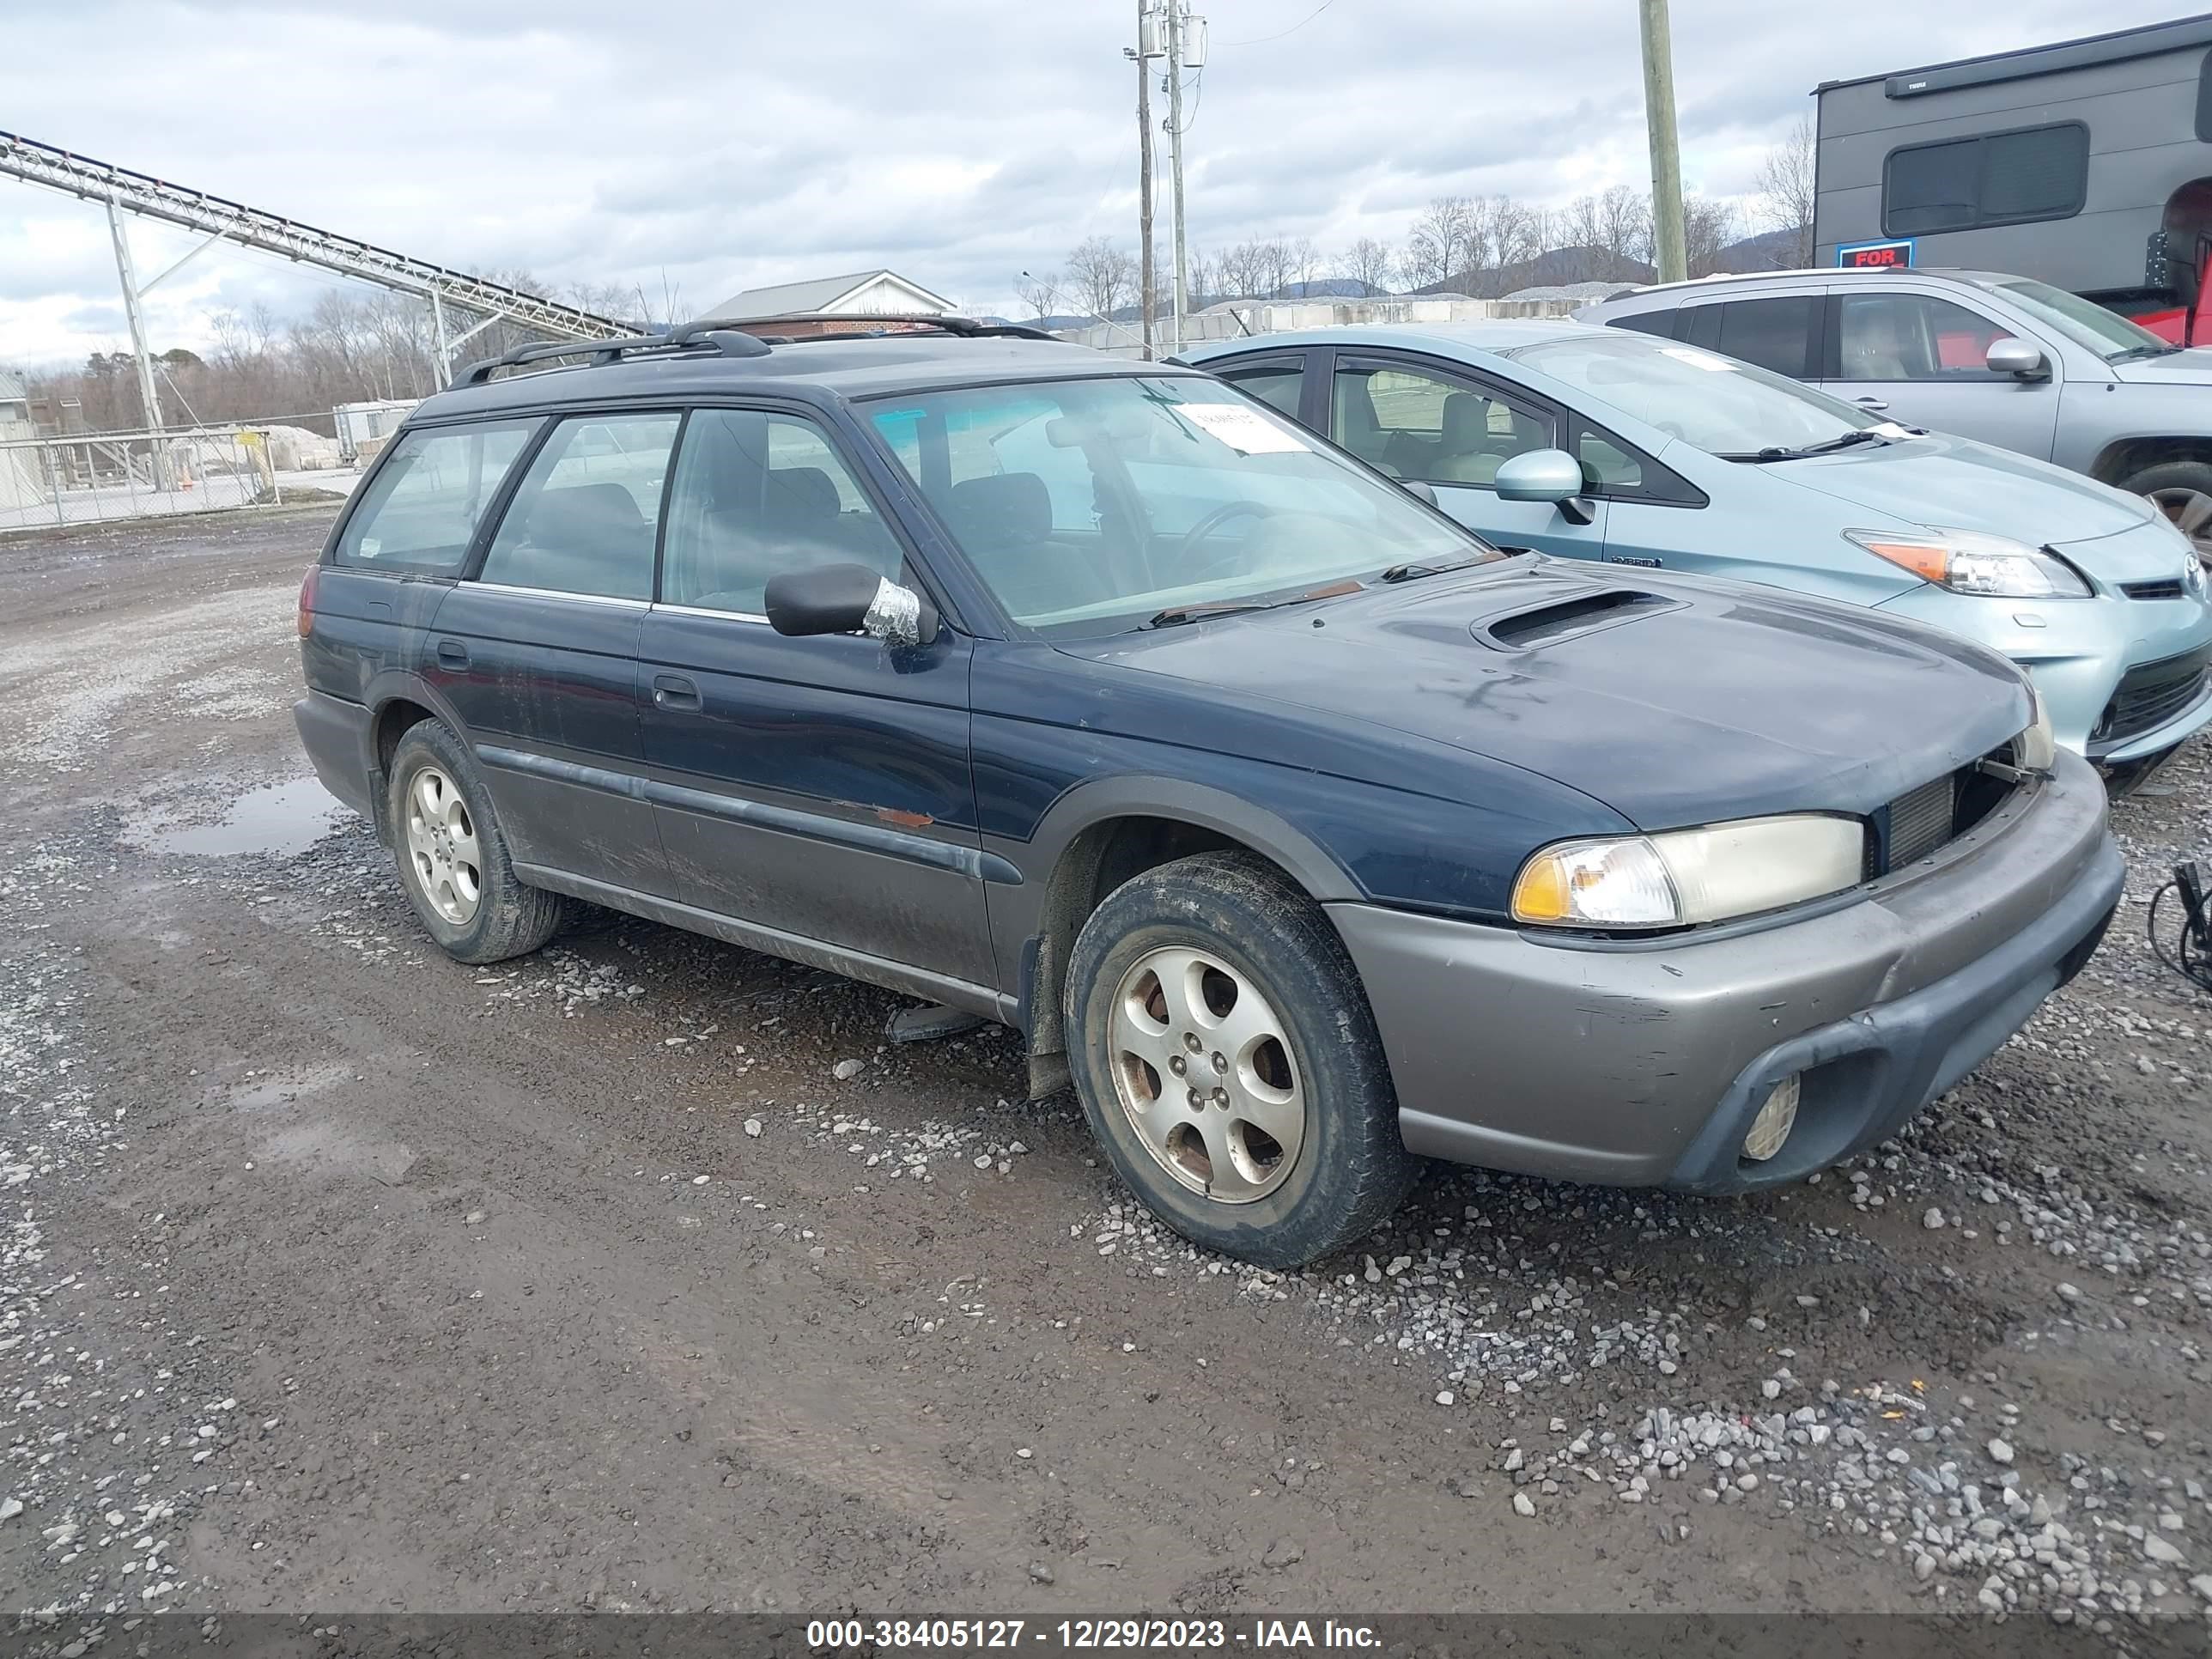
[(1775, 1121)]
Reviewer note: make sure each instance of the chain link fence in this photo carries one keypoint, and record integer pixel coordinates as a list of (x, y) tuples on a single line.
[(55, 482)]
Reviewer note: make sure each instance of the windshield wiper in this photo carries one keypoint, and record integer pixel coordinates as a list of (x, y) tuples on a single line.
[(1406, 572), (1188, 613), (2136, 354), (1776, 453)]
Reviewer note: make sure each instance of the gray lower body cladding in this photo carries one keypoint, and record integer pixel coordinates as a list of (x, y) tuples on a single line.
[(1643, 1064)]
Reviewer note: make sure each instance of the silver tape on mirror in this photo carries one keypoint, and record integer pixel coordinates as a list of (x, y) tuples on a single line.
[(894, 615)]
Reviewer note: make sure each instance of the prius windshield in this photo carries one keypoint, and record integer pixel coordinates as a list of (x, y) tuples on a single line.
[(1095, 507), (1713, 403)]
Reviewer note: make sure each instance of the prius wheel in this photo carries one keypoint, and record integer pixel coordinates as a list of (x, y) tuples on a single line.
[(2183, 491), (1228, 1063), (453, 856)]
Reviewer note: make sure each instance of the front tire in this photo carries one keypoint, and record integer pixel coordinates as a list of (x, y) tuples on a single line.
[(453, 855), (2183, 491), (1225, 1053)]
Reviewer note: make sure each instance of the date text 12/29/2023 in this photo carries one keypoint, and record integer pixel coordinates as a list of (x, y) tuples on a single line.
[(1084, 1635)]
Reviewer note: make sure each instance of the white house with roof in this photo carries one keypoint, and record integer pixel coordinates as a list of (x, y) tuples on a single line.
[(858, 294)]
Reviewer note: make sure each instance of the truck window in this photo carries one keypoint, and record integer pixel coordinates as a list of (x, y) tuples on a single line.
[(421, 511), (1993, 178)]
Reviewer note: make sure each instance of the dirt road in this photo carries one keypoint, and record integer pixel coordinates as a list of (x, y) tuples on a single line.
[(338, 1276)]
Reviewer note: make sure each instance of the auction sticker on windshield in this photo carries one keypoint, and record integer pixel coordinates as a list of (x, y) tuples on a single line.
[(1247, 431), (1698, 359)]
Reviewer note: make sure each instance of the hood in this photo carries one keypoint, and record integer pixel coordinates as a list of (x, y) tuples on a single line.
[(2189, 367), (1962, 485), (1673, 700)]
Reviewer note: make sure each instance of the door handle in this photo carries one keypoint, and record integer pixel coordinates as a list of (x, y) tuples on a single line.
[(674, 691), (1870, 402), (451, 654)]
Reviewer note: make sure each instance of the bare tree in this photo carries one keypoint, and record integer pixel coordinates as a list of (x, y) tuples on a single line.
[(1368, 262), (1035, 293), (1439, 247), (1708, 227), (1101, 274), (1787, 189), (1243, 269), (1305, 262)]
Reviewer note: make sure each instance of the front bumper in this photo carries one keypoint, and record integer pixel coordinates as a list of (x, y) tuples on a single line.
[(1643, 1063), (2077, 652)]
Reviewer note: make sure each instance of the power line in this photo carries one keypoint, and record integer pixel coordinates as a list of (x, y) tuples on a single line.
[(1261, 39)]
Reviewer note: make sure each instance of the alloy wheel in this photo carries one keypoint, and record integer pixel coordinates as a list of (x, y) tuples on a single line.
[(1203, 1066), (442, 846)]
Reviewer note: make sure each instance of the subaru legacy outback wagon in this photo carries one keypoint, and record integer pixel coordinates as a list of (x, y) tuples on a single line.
[(1303, 830)]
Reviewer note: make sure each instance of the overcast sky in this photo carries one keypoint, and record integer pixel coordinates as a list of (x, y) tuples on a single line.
[(716, 144)]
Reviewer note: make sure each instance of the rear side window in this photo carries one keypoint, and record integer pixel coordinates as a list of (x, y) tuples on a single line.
[(588, 512), (420, 512), (1775, 333), (1661, 323), (1995, 178), (1279, 384)]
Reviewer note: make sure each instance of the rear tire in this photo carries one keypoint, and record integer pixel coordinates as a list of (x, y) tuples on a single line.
[(2183, 491), (454, 866), (1225, 1053)]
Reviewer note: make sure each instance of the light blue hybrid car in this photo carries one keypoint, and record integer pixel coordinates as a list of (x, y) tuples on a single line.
[(1604, 444)]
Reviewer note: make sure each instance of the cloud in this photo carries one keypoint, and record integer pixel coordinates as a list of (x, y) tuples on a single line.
[(716, 144)]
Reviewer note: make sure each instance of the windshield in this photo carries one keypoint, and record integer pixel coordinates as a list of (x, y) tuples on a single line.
[(1714, 402), (1094, 507), (2085, 322)]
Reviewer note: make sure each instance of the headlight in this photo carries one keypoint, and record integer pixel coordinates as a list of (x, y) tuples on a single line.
[(1974, 561), (1689, 876), (2036, 750)]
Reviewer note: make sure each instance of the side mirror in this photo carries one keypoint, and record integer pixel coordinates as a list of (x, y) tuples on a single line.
[(2018, 358), (1419, 491), (1541, 474), (848, 598)]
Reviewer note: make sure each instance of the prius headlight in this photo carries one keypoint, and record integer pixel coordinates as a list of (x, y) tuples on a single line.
[(1689, 876), (1974, 561)]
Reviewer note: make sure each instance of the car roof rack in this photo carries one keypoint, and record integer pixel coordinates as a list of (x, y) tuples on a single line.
[(737, 338), (877, 326), (686, 337)]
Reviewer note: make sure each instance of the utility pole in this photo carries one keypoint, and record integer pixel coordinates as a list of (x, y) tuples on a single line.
[(1177, 18), (150, 403), (1148, 279), (1667, 240)]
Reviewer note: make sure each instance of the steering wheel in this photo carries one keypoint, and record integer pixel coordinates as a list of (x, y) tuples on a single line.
[(1205, 527)]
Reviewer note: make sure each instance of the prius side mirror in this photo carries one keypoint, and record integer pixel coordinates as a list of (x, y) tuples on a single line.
[(2018, 358), (848, 598)]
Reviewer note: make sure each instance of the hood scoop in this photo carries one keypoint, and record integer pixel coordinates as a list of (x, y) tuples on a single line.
[(1562, 619)]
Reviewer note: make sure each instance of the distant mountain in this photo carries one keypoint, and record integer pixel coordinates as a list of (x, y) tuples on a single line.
[(1771, 250)]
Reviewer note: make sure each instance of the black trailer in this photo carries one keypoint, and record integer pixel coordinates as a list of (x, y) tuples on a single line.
[(2087, 164)]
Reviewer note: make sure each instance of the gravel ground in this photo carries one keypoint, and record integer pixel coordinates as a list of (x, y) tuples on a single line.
[(643, 1274)]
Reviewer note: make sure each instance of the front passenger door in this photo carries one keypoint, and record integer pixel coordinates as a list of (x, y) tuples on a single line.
[(818, 788), (1920, 360), (1423, 423)]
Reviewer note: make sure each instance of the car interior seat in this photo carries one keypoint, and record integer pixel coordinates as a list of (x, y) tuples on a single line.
[(1003, 521)]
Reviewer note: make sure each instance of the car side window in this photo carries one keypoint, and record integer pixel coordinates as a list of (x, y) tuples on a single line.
[(1615, 470), (1415, 425), (1913, 336), (1775, 333), (1278, 385), (756, 495), (420, 512), (1661, 323), (585, 517)]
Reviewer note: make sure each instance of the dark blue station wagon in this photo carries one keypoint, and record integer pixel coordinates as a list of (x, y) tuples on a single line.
[(1301, 830)]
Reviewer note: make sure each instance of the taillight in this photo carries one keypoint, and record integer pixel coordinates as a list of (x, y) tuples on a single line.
[(307, 601)]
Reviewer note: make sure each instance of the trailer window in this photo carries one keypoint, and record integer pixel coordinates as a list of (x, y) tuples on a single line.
[(1994, 178)]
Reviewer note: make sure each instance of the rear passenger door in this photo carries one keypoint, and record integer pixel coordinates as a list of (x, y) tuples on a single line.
[(819, 788), (1419, 421), (537, 651)]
